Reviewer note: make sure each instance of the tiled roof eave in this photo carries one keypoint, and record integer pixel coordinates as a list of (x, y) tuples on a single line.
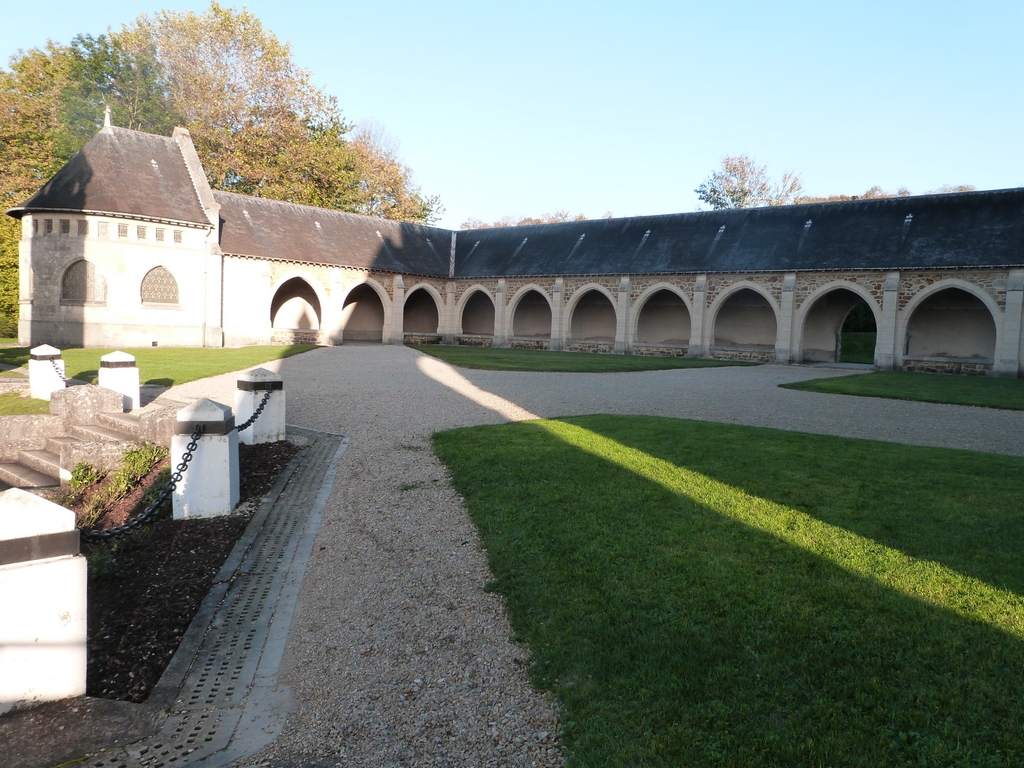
[(20, 211), (284, 260)]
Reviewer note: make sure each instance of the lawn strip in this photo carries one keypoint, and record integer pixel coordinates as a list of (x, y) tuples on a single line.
[(13, 404), (984, 391), (165, 365), (492, 359), (700, 594)]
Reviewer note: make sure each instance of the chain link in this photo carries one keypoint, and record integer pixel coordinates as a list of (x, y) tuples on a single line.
[(151, 512), (59, 372), (255, 414)]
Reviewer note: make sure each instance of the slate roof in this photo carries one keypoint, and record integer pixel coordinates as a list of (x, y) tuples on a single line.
[(256, 226), (972, 229), (126, 172)]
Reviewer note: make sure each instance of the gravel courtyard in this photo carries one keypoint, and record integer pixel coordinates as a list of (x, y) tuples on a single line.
[(397, 656)]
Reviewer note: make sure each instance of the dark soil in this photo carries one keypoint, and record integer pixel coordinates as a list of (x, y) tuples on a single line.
[(145, 588)]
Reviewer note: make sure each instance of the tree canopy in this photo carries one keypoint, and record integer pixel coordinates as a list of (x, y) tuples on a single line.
[(259, 124), (521, 221)]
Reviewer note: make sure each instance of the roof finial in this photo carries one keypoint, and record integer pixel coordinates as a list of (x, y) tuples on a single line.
[(106, 117)]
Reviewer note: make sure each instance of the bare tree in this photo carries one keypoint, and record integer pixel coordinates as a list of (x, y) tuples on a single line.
[(742, 183)]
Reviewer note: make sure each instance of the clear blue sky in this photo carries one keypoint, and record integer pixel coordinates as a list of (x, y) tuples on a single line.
[(528, 107)]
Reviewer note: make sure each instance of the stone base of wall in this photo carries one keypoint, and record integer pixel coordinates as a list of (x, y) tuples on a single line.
[(746, 354), (301, 337), (597, 347), (474, 340), (529, 343), (656, 350), (422, 338), (959, 367)]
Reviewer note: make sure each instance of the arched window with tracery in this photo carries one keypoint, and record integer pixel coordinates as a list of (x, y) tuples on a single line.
[(81, 284), (159, 287)]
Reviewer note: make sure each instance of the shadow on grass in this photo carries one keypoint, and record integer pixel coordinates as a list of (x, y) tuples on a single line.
[(676, 632)]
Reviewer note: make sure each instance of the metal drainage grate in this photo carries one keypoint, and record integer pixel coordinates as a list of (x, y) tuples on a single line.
[(214, 692)]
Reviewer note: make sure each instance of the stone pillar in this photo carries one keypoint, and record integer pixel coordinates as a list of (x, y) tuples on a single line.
[(43, 377), (1008, 356), (252, 387), (886, 356), (209, 487), (398, 312), (42, 602), (502, 320), (558, 329), (698, 345), (784, 330), (623, 342), (450, 320), (119, 373)]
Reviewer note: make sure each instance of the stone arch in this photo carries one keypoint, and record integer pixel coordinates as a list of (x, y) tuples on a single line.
[(951, 319), (820, 318), (530, 310), (296, 305), (81, 283), (744, 316), (476, 312), (671, 312), (159, 287), (364, 312), (591, 314), (422, 311)]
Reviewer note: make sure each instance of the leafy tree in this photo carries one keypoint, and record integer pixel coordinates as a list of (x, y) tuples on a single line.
[(741, 183)]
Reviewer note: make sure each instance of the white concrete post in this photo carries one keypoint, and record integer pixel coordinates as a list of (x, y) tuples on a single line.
[(119, 373), (42, 602), (209, 487), (697, 343), (1008, 360), (886, 355), (43, 378), (558, 330), (623, 342), (252, 387), (784, 332)]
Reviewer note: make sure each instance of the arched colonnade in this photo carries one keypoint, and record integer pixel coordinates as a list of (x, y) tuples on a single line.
[(941, 323)]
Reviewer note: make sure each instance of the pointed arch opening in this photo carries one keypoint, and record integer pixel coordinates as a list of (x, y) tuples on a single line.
[(951, 325), (362, 315), (420, 315), (159, 287), (839, 327), (478, 315), (593, 318), (664, 321), (745, 323), (295, 307), (531, 318)]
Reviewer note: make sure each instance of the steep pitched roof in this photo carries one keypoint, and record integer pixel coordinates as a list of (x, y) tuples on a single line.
[(255, 226), (973, 229), (120, 171)]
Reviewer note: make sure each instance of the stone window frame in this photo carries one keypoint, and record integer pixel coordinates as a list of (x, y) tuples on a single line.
[(95, 290), (140, 232), (83, 227), (49, 226), (159, 270), (65, 226), (104, 230), (122, 231), (177, 236), (35, 226), (160, 234)]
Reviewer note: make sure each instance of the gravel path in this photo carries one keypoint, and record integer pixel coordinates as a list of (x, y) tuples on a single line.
[(397, 656)]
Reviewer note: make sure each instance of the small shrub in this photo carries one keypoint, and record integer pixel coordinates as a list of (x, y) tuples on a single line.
[(84, 474)]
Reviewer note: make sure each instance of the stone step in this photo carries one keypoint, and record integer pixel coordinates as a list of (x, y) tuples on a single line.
[(91, 432), (54, 444), (46, 462), (20, 476), (127, 423)]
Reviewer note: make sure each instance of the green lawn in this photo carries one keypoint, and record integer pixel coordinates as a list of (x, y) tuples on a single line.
[(493, 359), (857, 347), (701, 594), (14, 404), (165, 365), (930, 387)]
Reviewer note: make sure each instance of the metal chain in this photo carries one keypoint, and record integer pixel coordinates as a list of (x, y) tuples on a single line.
[(255, 414), (58, 371), (151, 512)]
